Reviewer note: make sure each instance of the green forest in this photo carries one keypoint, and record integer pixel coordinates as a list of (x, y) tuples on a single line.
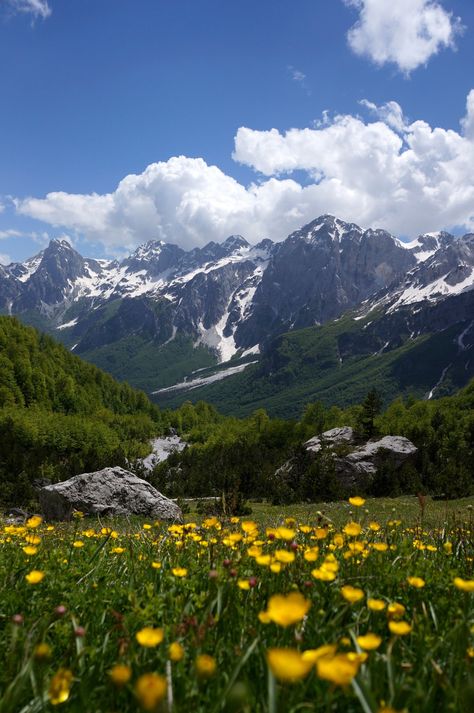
[(60, 416)]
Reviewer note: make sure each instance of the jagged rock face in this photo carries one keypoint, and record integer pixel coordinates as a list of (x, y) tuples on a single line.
[(50, 284), (318, 273), (233, 296), (111, 491)]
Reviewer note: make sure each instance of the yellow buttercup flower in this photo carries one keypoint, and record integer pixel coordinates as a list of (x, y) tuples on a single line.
[(352, 529), (416, 582), (175, 651), (288, 665), (34, 577), (285, 533), (60, 687), (42, 652), (120, 674), (288, 610), (156, 565), (395, 610), (284, 556), (34, 521), (313, 655), (150, 689), (357, 501), (205, 665), (179, 571), (243, 584), (149, 637), (339, 669), (465, 585), (352, 594), (30, 550), (400, 628), (78, 544), (376, 604), (369, 642)]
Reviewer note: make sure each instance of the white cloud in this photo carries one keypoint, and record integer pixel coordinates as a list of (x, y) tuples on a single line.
[(406, 177), (5, 259), (37, 8), (404, 32)]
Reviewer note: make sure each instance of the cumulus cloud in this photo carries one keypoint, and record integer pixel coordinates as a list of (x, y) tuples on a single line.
[(5, 259), (404, 32), (387, 172)]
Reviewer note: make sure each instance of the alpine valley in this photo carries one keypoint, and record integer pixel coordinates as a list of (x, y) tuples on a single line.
[(324, 315)]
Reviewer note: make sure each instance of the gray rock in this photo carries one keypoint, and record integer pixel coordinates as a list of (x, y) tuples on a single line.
[(362, 464), (333, 437), (162, 448), (111, 491)]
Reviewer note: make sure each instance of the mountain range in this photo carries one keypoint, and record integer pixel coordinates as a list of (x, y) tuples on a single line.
[(319, 315)]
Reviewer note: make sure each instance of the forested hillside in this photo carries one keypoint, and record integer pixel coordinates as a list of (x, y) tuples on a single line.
[(60, 416), (239, 457)]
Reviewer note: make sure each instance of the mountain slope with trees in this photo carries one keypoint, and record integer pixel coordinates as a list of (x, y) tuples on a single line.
[(60, 416)]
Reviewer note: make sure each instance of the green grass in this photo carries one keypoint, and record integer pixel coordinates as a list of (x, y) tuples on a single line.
[(109, 590)]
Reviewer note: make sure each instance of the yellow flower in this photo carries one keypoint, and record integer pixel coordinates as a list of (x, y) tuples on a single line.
[(120, 674), (376, 604), (400, 628), (380, 546), (465, 585), (34, 577), (275, 567), (205, 665), (314, 654), (339, 669), (352, 529), (357, 501), (263, 560), (263, 617), (156, 565), (448, 548), (324, 574), (311, 554), (179, 571), (243, 584), (395, 610), (284, 556), (60, 686), (175, 651), (288, 665), (417, 582), (374, 526), (369, 642), (78, 544), (352, 594), (285, 533), (150, 689), (287, 610), (249, 527), (118, 550), (146, 526), (30, 550), (34, 521), (149, 637), (42, 652)]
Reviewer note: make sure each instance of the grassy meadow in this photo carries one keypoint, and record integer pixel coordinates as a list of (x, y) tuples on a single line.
[(347, 607)]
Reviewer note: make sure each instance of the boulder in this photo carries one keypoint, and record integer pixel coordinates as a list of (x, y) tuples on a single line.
[(111, 491), (362, 464), (334, 437)]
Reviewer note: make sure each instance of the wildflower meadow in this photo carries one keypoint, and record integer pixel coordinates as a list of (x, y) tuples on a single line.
[(275, 614)]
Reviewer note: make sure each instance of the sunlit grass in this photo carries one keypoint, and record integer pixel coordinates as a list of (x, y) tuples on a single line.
[(342, 607)]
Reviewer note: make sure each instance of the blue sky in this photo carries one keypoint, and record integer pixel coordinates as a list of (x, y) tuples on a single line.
[(95, 91)]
